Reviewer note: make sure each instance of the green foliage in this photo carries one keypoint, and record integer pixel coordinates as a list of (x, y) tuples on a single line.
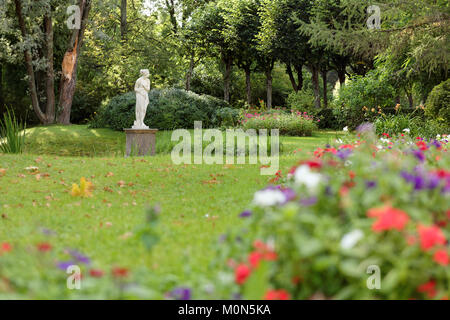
[(437, 106), (302, 101), (289, 124), (361, 99), (168, 109), (416, 126), (12, 134)]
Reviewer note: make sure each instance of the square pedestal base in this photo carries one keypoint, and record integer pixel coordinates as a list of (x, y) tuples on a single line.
[(141, 142)]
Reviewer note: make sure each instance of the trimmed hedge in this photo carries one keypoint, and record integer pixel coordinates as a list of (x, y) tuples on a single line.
[(168, 109)]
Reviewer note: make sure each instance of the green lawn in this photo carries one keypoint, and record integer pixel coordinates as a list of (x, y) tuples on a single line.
[(199, 202)]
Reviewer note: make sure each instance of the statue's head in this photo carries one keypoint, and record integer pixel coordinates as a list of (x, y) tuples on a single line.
[(145, 72)]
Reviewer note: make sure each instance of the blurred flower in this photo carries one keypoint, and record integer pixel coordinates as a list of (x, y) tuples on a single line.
[(119, 272), (277, 295), (63, 265), (79, 257), (345, 129), (429, 288), (349, 240), (44, 246), (408, 131), (388, 218), (269, 197), (181, 293), (419, 155), (430, 236), (245, 214), (304, 176), (96, 273), (5, 247), (241, 273), (343, 154), (308, 201), (441, 257), (366, 128), (371, 184)]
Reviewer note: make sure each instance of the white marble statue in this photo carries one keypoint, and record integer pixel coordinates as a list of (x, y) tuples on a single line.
[(142, 88)]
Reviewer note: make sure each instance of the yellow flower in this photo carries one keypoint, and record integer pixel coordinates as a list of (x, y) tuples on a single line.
[(84, 190)]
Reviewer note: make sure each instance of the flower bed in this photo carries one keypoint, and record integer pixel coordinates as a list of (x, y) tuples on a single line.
[(293, 124), (363, 220)]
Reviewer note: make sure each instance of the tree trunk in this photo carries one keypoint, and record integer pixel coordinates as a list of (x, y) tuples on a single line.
[(316, 87), (248, 83), (299, 69), (50, 74), (324, 81), (341, 76), (291, 77), (69, 66), (123, 20), (269, 88), (189, 73), (227, 78), (29, 64), (410, 100), (173, 19)]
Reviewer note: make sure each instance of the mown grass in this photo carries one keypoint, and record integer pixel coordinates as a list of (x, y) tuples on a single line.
[(199, 202)]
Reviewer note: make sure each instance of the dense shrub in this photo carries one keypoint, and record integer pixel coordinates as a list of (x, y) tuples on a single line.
[(438, 103), (294, 124), (168, 109), (302, 101), (413, 125), (358, 96), (84, 107), (330, 225)]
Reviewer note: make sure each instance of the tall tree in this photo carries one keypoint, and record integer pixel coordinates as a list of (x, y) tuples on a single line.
[(69, 65)]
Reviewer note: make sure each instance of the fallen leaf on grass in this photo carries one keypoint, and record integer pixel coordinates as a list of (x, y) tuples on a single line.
[(2, 172), (121, 183), (84, 190), (109, 174), (126, 235), (108, 189)]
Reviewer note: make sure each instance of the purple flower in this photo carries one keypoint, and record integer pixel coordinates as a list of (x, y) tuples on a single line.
[(419, 155), (371, 184), (437, 144), (433, 182), (308, 201), (245, 214), (181, 293), (79, 257), (289, 194), (343, 154), (63, 265), (365, 128)]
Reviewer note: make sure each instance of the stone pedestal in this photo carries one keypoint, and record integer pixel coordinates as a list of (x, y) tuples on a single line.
[(141, 142)]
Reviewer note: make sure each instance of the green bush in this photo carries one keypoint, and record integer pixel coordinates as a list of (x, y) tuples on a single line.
[(437, 106), (294, 124), (168, 109), (362, 99), (302, 101)]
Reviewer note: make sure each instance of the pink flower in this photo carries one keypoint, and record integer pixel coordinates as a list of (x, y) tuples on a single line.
[(441, 257)]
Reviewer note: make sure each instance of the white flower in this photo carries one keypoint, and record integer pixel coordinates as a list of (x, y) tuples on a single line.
[(339, 141), (349, 240), (438, 137), (379, 147), (384, 140), (345, 129), (267, 198), (407, 130), (348, 163), (304, 176)]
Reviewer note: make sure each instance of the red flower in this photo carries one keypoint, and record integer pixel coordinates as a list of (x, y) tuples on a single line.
[(44, 246), (430, 236), (388, 218), (347, 146), (313, 164), (277, 295), (96, 273), (254, 258), (118, 272), (352, 175), (241, 273), (422, 145), (429, 288), (441, 257), (5, 247)]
